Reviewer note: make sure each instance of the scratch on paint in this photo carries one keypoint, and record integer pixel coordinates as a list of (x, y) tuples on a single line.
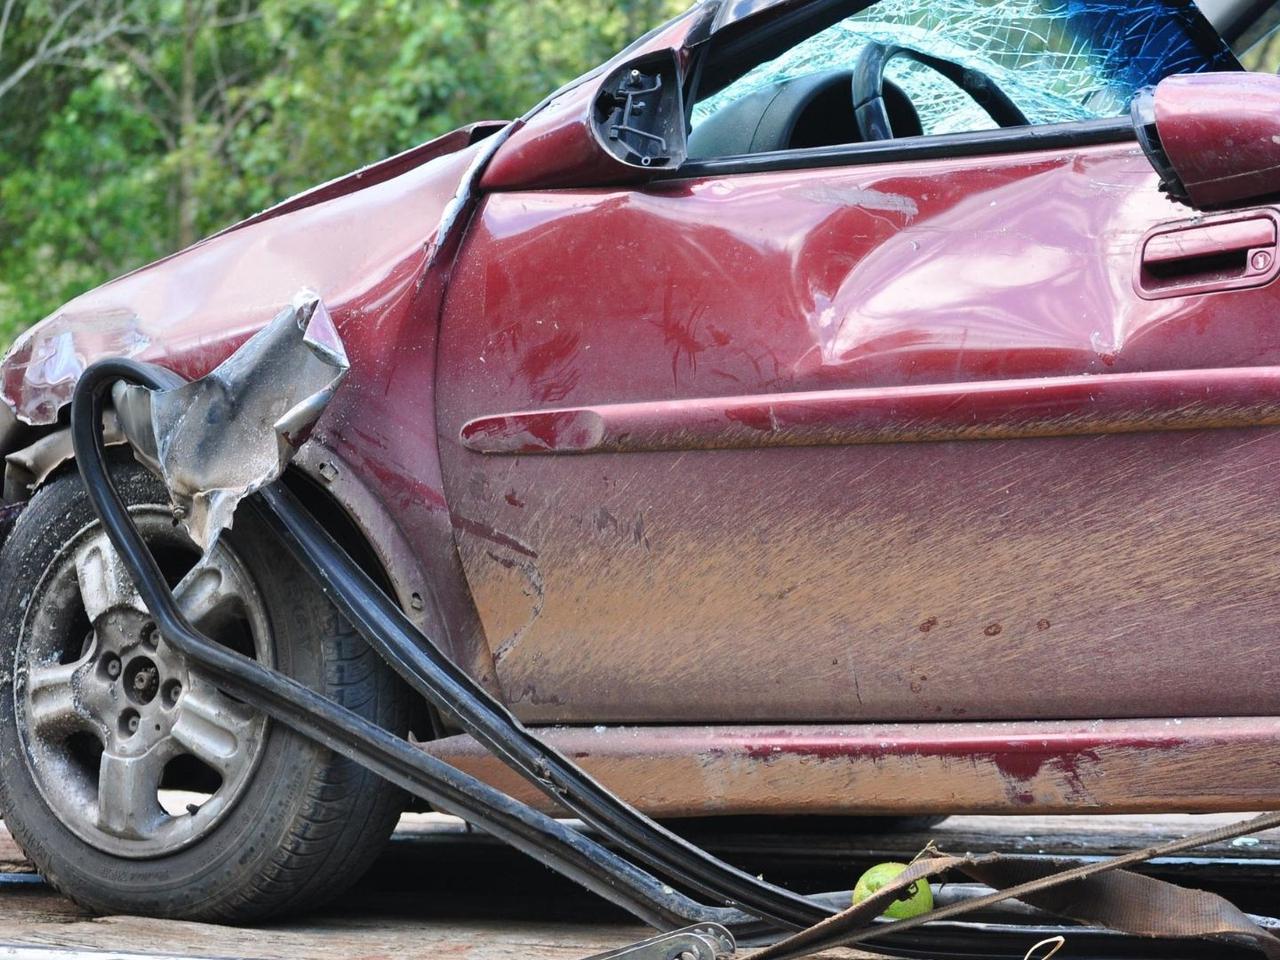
[(487, 532)]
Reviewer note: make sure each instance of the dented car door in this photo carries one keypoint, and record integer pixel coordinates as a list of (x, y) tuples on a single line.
[(930, 438)]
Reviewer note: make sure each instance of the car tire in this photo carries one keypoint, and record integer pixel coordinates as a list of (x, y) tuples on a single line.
[(301, 823)]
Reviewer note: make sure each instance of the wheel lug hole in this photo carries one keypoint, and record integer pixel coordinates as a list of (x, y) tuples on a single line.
[(150, 636), (141, 680), (110, 666), (170, 694), (129, 723)]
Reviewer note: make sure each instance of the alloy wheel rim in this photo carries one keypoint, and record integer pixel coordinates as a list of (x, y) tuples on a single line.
[(137, 753)]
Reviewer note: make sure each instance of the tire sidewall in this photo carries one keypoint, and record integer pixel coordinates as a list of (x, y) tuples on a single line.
[(245, 840)]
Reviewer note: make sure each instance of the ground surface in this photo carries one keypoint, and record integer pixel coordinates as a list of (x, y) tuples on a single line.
[(440, 892)]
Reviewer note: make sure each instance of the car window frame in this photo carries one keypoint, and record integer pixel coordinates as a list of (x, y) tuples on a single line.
[(731, 52)]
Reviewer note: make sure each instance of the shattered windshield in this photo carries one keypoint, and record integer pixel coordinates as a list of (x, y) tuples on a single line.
[(1059, 60)]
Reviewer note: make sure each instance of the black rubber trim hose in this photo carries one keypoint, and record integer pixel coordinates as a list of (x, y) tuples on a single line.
[(561, 847)]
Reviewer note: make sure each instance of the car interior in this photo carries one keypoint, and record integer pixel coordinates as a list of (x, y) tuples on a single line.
[(840, 106), (810, 111)]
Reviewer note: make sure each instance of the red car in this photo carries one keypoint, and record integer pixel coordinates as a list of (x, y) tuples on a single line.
[(822, 407)]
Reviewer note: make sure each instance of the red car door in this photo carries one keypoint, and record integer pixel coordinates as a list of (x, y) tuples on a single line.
[(938, 435)]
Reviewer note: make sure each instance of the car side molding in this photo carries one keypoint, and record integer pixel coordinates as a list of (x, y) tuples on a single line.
[(994, 410)]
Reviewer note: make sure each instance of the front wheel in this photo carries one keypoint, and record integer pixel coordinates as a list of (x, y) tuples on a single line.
[(131, 781)]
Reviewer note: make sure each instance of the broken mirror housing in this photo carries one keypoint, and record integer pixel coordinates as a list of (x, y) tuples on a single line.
[(621, 130), (640, 113)]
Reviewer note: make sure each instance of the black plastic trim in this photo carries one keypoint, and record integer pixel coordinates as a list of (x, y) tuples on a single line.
[(1146, 129), (980, 143)]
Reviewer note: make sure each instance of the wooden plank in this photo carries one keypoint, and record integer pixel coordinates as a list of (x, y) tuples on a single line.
[(444, 891), (12, 859)]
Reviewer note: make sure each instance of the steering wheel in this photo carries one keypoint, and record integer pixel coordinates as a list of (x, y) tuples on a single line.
[(869, 89)]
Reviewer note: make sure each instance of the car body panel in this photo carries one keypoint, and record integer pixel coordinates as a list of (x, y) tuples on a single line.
[(694, 571), (1220, 133), (929, 413), (345, 239), (1121, 766)]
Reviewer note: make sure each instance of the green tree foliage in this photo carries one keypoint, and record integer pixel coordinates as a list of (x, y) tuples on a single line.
[(137, 126)]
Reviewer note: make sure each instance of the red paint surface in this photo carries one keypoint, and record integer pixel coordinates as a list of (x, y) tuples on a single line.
[(1121, 765), (1221, 132), (684, 327)]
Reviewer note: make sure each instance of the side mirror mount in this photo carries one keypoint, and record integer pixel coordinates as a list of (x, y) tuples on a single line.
[(639, 113), (621, 130), (1213, 138)]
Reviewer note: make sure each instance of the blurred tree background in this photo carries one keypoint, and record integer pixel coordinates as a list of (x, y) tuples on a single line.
[(130, 128)]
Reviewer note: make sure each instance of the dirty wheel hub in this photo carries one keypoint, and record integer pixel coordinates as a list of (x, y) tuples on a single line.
[(135, 752)]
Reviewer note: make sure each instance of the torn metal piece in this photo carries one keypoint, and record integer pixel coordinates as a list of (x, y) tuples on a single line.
[(10, 426), (703, 941), (220, 438), (39, 373), (27, 469)]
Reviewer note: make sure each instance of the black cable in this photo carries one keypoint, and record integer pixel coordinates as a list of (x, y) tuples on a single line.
[(564, 849), (437, 678)]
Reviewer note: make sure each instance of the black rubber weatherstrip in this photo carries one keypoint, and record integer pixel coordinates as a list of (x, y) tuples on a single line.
[(434, 676)]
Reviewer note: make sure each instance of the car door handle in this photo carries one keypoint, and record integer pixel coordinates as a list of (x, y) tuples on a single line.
[(1220, 254)]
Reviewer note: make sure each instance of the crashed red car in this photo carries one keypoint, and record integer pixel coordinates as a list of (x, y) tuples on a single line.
[(827, 407)]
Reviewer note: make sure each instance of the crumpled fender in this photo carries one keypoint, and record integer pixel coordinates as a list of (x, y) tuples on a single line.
[(367, 246), (359, 241)]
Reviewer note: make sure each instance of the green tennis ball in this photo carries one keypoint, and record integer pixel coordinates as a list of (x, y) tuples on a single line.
[(919, 898)]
